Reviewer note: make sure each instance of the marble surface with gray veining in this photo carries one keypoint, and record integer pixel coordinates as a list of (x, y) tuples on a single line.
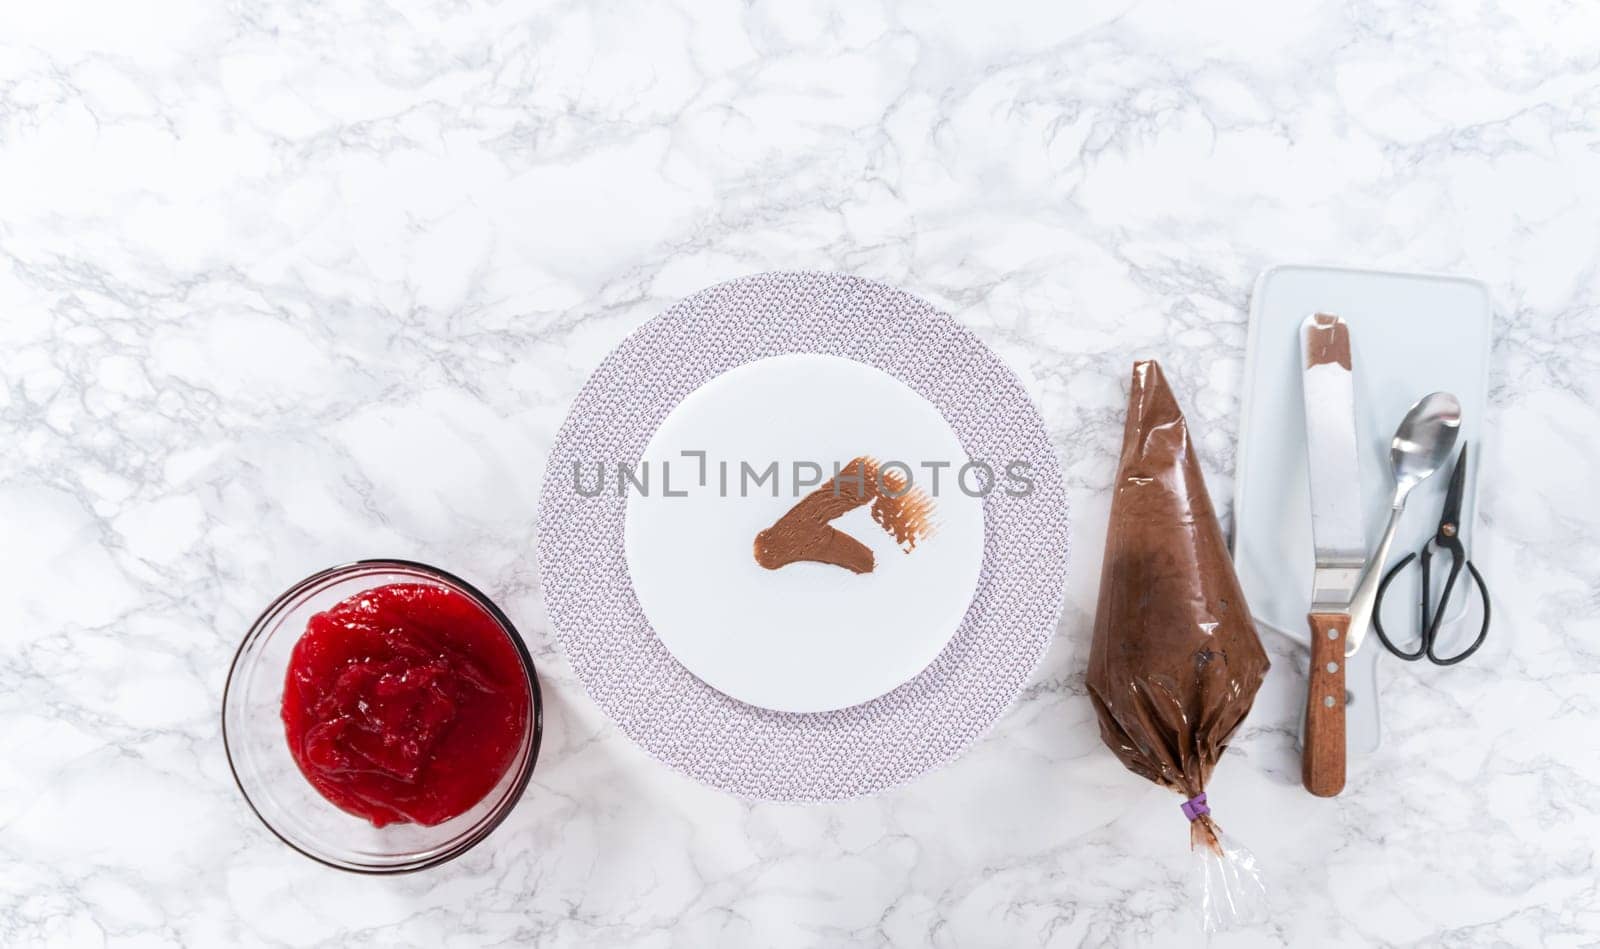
[(287, 284)]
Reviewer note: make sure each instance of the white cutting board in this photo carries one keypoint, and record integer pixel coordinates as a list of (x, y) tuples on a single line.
[(1409, 335)]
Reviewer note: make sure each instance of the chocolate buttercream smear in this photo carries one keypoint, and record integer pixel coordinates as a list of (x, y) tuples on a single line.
[(805, 531), (1175, 661), (1327, 341)]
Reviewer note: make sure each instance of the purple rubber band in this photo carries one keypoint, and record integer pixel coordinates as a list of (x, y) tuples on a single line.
[(1195, 807)]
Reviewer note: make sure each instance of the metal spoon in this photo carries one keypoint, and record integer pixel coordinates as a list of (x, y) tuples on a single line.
[(1423, 442)]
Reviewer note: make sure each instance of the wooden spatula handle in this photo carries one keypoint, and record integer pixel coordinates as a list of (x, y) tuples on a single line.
[(1322, 764)]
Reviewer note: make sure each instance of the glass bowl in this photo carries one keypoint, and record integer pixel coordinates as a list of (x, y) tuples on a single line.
[(252, 732)]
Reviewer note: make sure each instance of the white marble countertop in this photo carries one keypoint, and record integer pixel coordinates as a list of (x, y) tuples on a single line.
[(283, 285)]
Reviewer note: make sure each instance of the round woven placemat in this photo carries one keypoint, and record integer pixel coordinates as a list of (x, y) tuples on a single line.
[(753, 752)]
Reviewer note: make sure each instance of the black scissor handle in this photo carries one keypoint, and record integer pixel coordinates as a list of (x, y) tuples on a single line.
[(1377, 615), (1483, 631), (1432, 619)]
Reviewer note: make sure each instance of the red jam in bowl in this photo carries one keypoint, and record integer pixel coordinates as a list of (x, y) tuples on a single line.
[(405, 703)]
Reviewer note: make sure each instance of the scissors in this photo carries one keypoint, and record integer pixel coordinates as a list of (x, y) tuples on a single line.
[(1448, 539)]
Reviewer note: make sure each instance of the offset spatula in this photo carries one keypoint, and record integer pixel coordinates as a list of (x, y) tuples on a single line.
[(1337, 528)]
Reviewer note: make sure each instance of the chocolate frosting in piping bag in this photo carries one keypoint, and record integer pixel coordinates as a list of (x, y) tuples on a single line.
[(1175, 662)]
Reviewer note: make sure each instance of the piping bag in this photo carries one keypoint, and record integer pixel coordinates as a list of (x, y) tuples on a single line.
[(1175, 662)]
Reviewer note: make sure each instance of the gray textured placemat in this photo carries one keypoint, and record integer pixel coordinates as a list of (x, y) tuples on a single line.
[(754, 752)]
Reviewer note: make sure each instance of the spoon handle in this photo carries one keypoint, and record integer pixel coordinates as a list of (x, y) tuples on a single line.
[(1366, 593), (1322, 759)]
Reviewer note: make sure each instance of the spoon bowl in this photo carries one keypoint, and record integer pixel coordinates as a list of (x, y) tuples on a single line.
[(1424, 440)]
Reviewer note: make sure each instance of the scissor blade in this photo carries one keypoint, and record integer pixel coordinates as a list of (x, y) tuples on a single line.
[(1452, 497), (1334, 463)]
